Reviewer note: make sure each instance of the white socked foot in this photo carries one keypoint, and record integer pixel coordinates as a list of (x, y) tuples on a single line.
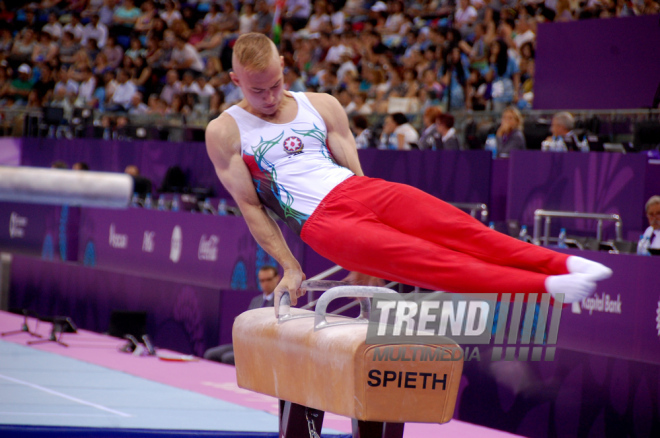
[(596, 271), (575, 287)]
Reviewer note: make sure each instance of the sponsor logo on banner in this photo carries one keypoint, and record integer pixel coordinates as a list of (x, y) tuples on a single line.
[(175, 248), (116, 240), (603, 303), (451, 327), (148, 241), (208, 248), (17, 226)]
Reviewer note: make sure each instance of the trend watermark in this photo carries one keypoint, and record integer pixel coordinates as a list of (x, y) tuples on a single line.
[(430, 327)]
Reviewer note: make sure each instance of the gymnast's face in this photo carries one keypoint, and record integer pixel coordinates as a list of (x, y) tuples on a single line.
[(262, 89)]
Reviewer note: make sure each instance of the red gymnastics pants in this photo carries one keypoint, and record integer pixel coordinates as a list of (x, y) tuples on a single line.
[(400, 233)]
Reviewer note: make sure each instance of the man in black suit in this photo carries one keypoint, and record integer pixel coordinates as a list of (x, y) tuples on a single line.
[(269, 277)]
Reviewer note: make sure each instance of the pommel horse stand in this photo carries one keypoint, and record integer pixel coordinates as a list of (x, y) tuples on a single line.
[(314, 362)]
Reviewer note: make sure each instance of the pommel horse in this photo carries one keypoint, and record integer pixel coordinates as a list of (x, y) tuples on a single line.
[(314, 362)]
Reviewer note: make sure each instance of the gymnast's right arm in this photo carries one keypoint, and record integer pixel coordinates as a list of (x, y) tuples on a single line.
[(223, 147)]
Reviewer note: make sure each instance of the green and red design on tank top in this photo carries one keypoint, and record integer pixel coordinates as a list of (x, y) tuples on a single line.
[(319, 135), (272, 194)]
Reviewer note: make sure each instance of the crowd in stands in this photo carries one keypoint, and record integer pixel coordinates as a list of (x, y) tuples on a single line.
[(160, 57)]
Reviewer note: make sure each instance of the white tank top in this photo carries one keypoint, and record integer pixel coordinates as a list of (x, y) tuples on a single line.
[(291, 165)]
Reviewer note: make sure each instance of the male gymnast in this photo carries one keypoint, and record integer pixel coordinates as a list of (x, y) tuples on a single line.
[(294, 153)]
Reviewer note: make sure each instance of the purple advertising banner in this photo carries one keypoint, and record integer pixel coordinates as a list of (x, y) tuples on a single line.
[(453, 176), (50, 232), (586, 183), (207, 250), (153, 158), (597, 64), (182, 317), (622, 318)]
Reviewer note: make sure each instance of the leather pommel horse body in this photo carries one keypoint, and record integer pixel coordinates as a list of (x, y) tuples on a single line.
[(321, 363)]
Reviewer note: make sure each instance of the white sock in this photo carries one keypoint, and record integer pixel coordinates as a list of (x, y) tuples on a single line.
[(594, 270), (575, 287)]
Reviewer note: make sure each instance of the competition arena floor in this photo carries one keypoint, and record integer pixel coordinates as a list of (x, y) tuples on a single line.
[(91, 389)]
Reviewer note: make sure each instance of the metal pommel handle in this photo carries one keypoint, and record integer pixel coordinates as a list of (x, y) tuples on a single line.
[(362, 293), (284, 311)]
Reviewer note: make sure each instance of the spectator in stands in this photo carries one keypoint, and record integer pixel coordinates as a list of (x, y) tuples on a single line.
[(80, 165), (651, 237), (171, 88), (509, 134), (394, 23), (185, 57), (120, 98), (61, 100), (297, 13), (454, 80), (229, 20), (19, 88), (431, 137), (53, 27), (157, 105), (269, 277), (147, 15), (126, 15), (319, 21), (86, 90), (106, 12), (264, 17), (465, 17), (398, 134), (45, 85), (113, 52), (21, 51), (504, 75), (562, 138), (170, 13), (211, 45), (364, 138), (213, 16), (292, 79), (137, 106), (448, 139), (101, 65), (135, 49), (68, 48), (75, 27), (247, 19), (46, 50)]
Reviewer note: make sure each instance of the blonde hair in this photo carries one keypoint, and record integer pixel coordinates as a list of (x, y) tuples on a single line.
[(253, 51), (513, 110)]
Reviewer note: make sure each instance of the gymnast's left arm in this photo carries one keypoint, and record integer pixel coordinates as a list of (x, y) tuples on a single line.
[(340, 139)]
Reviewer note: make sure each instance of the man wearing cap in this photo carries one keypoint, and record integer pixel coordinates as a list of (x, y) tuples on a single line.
[(20, 87)]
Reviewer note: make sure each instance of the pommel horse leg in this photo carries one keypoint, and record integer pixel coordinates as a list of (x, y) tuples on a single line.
[(299, 421), (316, 363)]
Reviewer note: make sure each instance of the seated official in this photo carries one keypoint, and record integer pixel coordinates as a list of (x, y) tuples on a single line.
[(445, 125), (651, 237), (563, 139), (269, 277)]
